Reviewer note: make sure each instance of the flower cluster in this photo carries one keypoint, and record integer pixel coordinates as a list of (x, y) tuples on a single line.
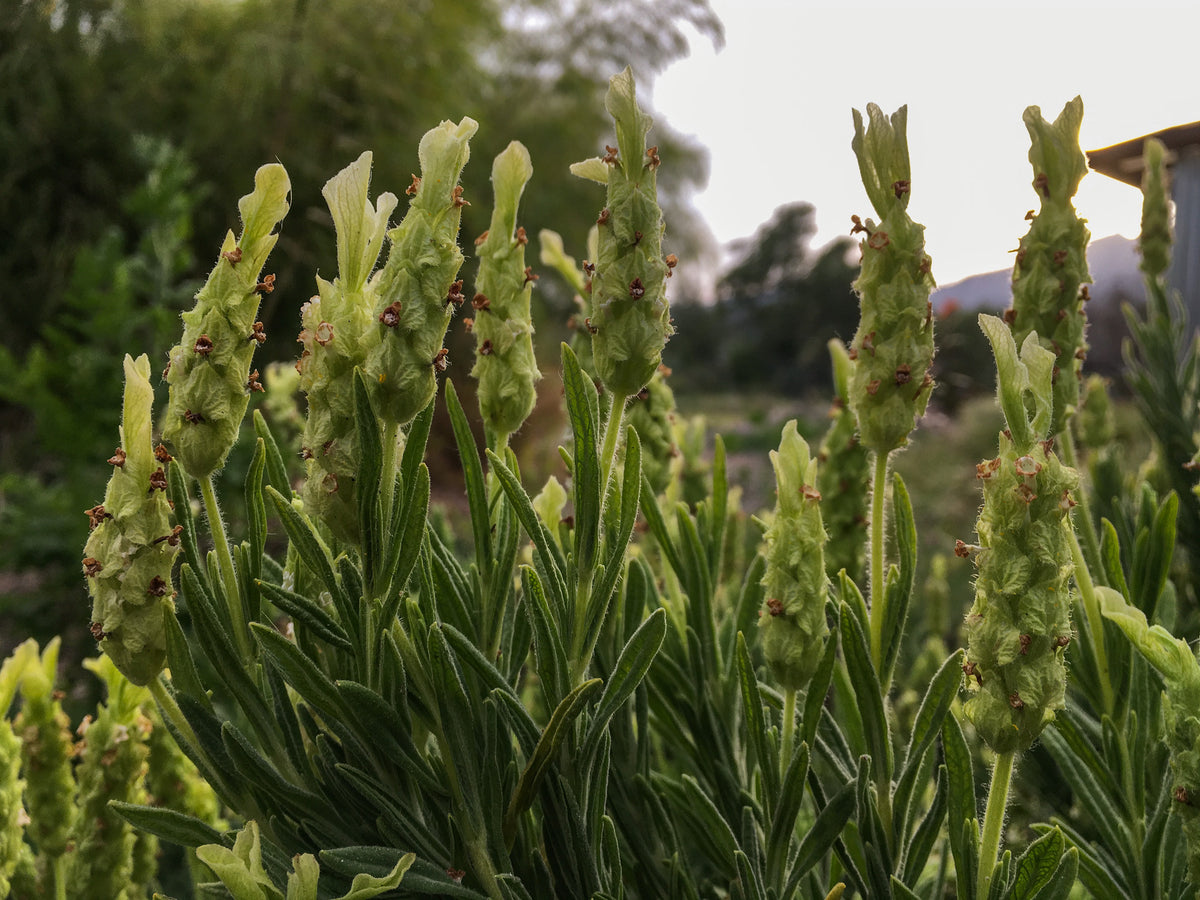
[(1019, 625), (1051, 266), (129, 554), (793, 621), (629, 319), (893, 346), (209, 369), (504, 363)]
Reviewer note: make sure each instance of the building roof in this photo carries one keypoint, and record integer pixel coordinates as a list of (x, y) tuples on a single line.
[(1123, 161)]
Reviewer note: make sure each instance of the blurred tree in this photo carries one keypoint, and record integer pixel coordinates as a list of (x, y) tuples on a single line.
[(777, 307)]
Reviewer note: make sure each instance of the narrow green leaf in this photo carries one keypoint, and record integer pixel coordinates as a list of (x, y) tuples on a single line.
[(632, 666), (276, 470), (214, 638), (748, 879), (470, 655), (928, 831), (550, 657), (178, 493), (783, 822), (849, 593), (583, 414), (406, 544), (720, 509), (712, 832), (256, 513), (818, 688), (184, 676), (941, 693), (869, 693), (900, 891), (614, 560), (414, 448), (547, 749), (658, 527), (468, 452), (547, 551), (372, 532), (824, 832), (307, 614), (1060, 885), (167, 824), (765, 754), (426, 877), (962, 809), (1037, 865), (300, 671), (899, 588), (1110, 554), (1088, 791), (315, 555)]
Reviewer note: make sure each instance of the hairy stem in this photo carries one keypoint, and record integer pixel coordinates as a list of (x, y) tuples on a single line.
[(993, 821), (789, 730), (878, 493), (170, 710)]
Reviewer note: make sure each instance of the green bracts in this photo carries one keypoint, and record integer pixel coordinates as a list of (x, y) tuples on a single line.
[(1051, 262), (504, 363), (893, 346), (209, 370), (629, 319), (128, 557), (1019, 626), (793, 619)]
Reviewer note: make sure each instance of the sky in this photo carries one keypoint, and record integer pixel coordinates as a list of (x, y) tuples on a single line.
[(773, 107)]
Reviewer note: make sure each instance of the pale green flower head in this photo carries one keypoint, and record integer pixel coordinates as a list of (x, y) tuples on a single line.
[(47, 752), (504, 362), (1051, 264), (893, 347), (1019, 626), (417, 290), (339, 328), (1155, 240), (209, 370), (132, 547), (629, 319), (793, 619)]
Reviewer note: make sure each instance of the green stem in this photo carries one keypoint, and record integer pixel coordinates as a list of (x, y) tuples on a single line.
[(169, 710), (1091, 608), (233, 594), (58, 871), (993, 822), (789, 730), (878, 493), (581, 655), (1091, 540)]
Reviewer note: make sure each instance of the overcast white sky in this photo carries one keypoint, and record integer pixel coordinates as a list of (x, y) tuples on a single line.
[(773, 108)]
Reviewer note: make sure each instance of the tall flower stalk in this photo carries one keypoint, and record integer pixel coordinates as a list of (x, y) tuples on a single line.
[(1019, 625), (893, 346)]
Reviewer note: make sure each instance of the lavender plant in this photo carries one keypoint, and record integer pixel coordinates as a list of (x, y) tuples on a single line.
[(548, 701)]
